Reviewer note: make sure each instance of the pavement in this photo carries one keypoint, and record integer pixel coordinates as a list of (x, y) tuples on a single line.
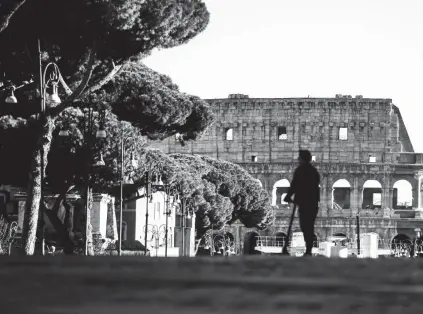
[(250, 284)]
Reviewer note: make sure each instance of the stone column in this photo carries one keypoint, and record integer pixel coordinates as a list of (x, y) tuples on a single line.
[(99, 213), (21, 199), (390, 198), (360, 198), (354, 196), (420, 192), (419, 177), (415, 194), (111, 223), (385, 196), (323, 200), (329, 192)]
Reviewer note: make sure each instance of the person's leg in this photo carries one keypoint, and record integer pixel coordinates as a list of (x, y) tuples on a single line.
[(307, 220)]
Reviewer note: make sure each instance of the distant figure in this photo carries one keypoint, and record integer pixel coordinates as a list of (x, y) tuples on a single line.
[(305, 188)]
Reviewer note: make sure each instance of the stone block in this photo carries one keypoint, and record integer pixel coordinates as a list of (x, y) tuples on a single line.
[(418, 213)]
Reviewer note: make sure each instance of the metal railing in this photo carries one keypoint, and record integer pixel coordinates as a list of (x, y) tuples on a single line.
[(405, 248), (7, 235), (276, 241)]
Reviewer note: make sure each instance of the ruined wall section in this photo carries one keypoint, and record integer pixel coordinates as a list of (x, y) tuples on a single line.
[(404, 138), (309, 123)]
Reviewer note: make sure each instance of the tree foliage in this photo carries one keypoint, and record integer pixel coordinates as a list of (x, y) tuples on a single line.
[(94, 42), (116, 29), (219, 192)]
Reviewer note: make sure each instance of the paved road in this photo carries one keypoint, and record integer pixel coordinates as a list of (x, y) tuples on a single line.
[(210, 285)]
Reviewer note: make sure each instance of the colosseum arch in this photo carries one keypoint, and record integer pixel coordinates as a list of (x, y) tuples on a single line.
[(280, 238), (372, 194), (402, 197), (250, 243), (222, 243), (280, 188), (341, 194)]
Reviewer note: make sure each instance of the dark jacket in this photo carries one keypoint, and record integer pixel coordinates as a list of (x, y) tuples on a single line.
[(305, 186)]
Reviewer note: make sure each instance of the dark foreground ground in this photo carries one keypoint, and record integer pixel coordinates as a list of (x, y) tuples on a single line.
[(210, 285)]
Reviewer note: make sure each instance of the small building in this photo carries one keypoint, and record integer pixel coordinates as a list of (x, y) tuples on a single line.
[(160, 207), (104, 219)]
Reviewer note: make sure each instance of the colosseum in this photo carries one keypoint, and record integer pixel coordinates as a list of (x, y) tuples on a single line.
[(359, 145)]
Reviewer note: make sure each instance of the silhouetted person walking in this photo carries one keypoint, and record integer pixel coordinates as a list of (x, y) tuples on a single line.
[(305, 188)]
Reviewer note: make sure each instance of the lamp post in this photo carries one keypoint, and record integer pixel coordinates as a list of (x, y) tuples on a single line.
[(223, 241), (156, 233), (89, 136), (358, 234), (51, 82), (134, 163), (183, 202), (183, 212), (166, 189), (148, 176), (418, 232)]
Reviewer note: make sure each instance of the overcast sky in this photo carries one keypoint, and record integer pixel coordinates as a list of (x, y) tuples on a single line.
[(296, 48)]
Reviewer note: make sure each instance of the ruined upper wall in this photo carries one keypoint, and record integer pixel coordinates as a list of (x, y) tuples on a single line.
[(371, 125)]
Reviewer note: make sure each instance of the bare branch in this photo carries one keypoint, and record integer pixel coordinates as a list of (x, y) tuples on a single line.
[(7, 10), (105, 79), (116, 69)]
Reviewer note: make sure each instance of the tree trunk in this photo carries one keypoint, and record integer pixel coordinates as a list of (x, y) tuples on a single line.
[(68, 224), (197, 245), (32, 204)]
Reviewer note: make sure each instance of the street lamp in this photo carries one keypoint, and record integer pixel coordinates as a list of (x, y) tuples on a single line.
[(157, 232), (418, 232), (11, 98), (51, 82), (183, 202), (166, 188), (148, 184), (223, 241), (89, 136), (87, 148), (134, 164)]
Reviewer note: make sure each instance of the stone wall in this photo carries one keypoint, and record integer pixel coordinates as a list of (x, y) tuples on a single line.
[(310, 123), (264, 136)]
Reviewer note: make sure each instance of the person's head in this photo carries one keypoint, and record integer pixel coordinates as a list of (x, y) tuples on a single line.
[(304, 156)]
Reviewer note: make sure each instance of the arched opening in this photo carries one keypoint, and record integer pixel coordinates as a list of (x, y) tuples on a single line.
[(341, 193), (315, 241), (372, 195), (280, 238), (280, 189), (339, 238), (229, 134), (222, 244), (402, 197), (250, 243), (402, 246)]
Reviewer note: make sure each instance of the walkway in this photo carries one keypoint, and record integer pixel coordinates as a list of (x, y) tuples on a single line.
[(210, 285)]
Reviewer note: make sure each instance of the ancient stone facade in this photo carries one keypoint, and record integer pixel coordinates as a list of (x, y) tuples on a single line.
[(355, 141)]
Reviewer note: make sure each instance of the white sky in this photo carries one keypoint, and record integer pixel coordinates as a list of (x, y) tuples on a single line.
[(296, 48)]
